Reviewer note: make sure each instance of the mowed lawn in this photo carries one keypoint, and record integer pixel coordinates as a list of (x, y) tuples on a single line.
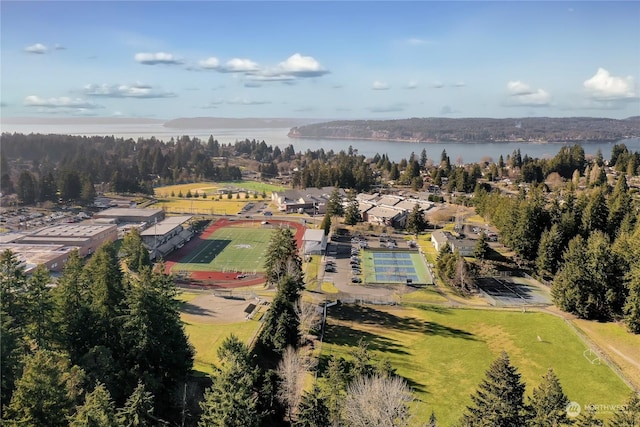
[(229, 249), (444, 352), (207, 338)]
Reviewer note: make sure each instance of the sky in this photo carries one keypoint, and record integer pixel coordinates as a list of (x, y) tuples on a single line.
[(327, 60)]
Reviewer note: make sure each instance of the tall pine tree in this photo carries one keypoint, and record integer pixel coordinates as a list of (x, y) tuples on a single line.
[(498, 401)]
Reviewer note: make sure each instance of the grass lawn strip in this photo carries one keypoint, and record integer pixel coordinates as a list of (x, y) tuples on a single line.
[(444, 353), (619, 345)]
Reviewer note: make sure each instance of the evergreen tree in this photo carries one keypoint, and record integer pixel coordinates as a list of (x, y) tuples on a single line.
[(334, 388), (326, 224), (596, 213), (550, 250), (587, 418), (620, 205), (498, 400), (423, 158), (588, 281), (352, 213), (630, 415), (416, 222), (481, 248), (40, 308), (103, 276), (46, 393), (548, 404), (138, 410), (232, 398), (334, 205), (313, 411), (632, 304), (26, 188), (47, 188), (72, 313), (280, 328), (158, 349), (98, 410), (133, 251), (282, 258)]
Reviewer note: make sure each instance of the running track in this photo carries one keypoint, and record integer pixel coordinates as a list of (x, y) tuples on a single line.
[(218, 279)]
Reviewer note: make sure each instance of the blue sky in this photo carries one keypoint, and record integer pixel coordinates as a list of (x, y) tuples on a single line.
[(328, 60)]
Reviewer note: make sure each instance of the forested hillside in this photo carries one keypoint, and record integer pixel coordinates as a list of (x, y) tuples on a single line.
[(533, 129)]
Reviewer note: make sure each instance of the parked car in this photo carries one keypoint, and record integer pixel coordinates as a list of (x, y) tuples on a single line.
[(356, 279)]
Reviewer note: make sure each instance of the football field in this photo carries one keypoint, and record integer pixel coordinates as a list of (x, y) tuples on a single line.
[(229, 249)]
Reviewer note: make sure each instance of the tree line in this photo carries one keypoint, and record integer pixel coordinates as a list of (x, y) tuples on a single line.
[(104, 346), (586, 242)]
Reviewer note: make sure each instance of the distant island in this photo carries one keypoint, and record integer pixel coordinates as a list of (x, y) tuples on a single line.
[(466, 130)]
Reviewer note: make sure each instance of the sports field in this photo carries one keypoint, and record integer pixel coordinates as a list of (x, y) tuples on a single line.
[(444, 352), (230, 249), (393, 267)]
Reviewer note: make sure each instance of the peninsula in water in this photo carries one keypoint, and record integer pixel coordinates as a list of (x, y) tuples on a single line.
[(529, 129)]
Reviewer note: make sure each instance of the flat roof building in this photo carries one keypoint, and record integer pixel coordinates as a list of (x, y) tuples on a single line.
[(314, 242), (54, 257), (132, 215), (87, 237)]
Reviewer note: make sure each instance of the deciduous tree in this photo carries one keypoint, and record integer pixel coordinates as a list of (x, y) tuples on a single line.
[(378, 401)]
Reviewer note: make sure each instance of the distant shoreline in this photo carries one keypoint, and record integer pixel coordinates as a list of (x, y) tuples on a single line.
[(443, 141)]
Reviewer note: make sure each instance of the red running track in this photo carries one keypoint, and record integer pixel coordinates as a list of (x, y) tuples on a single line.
[(219, 279)]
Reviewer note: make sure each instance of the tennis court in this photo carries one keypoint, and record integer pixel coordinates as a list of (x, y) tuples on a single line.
[(393, 267), (512, 291)]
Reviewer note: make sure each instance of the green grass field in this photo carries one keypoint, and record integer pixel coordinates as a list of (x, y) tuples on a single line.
[(207, 338), (229, 249), (444, 352)]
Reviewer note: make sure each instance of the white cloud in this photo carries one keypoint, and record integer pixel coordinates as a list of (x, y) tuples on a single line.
[(522, 94), (518, 88), (271, 78), (301, 66), (437, 85), (245, 101), (137, 90), (459, 84), (38, 48), (412, 85), (61, 102), (605, 87), (59, 47), (378, 85), (240, 65), (210, 63), (156, 58)]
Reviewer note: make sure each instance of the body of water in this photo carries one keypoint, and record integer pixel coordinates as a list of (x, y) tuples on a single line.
[(457, 152)]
